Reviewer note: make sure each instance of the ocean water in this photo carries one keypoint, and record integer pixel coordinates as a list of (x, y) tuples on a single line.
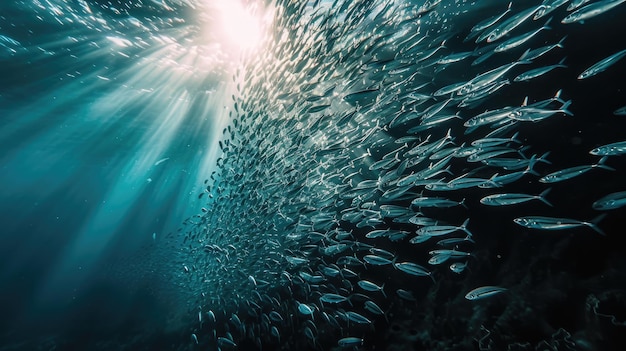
[(204, 175)]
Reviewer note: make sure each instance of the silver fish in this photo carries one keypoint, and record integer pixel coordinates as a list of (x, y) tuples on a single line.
[(507, 26), (413, 269), (484, 292), (613, 149), (574, 4), (520, 39), (536, 53), (553, 223), (572, 172), (610, 201), (513, 199), (458, 267), (438, 230), (591, 10), (534, 73), (602, 65), (350, 341)]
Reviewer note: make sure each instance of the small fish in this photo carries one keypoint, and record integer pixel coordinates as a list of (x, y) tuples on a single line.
[(520, 39), (357, 318), (484, 24), (374, 308), (369, 286), (333, 298), (458, 267), (536, 53), (304, 309), (620, 111), (194, 338), (572, 172), (413, 269), (350, 341), (549, 8), (438, 230), (507, 26), (553, 223), (613, 149), (484, 292), (438, 202), (602, 65), (376, 260), (574, 4), (161, 161), (222, 341), (512, 199), (314, 109), (537, 72), (591, 10), (405, 295), (452, 58), (610, 201)]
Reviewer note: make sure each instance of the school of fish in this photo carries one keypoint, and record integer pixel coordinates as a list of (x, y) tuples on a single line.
[(360, 149)]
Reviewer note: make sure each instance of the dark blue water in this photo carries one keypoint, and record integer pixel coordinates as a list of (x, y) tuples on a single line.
[(111, 117)]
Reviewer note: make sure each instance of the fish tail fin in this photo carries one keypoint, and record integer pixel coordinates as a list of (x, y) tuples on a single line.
[(514, 138), (542, 197), (522, 59), (547, 24), (562, 62), (525, 102), (560, 43), (431, 277), (464, 227), (565, 106), (462, 203), (469, 238), (557, 96), (543, 157), (594, 223), (382, 290), (530, 170), (601, 164)]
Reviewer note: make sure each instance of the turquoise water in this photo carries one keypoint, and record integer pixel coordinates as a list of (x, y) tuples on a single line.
[(187, 175)]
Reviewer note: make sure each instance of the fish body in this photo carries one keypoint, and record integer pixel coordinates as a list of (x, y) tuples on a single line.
[(350, 341), (572, 172), (620, 111), (513, 199), (333, 298), (537, 72), (458, 267), (507, 26), (439, 230), (591, 10), (413, 269), (438, 202), (486, 23), (610, 201), (613, 149), (369, 286), (602, 65), (554, 223), (520, 39), (484, 292)]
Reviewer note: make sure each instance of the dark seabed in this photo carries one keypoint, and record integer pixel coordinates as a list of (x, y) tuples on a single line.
[(282, 175)]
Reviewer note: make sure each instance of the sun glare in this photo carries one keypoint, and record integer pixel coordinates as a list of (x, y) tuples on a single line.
[(239, 27)]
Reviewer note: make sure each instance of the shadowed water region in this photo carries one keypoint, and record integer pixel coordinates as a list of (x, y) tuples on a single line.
[(314, 175)]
